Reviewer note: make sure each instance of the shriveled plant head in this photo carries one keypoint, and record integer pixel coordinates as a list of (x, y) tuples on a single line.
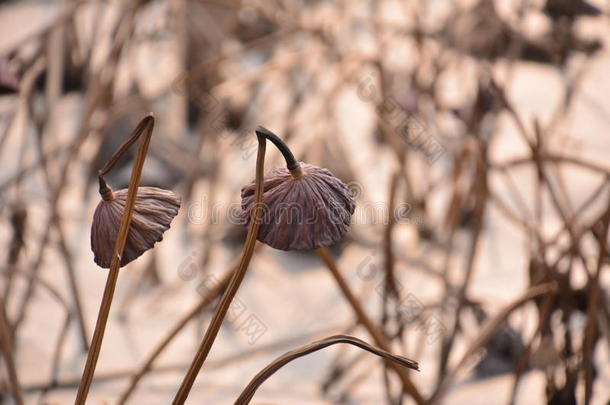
[(125, 224), (153, 213), (305, 207)]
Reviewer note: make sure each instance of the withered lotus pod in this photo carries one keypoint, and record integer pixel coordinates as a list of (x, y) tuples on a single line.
[(153, 212), (304, 206)]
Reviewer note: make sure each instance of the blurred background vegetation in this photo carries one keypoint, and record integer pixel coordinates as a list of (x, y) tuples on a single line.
[(473, 134)]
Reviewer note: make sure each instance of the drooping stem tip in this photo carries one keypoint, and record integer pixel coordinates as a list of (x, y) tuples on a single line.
[(291, 163), (144, 127)]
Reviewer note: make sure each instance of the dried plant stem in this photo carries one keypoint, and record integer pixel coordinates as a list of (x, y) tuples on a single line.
[(291, 162), (286, 358), (487, 332), (99, 95), (7, 353), (56, 358), (53, 292), (21, 119), (63, 244), (113, 273), (73, 284), (524, 360), (590, 338), (480, 192), (236, 279), (380, 339), (174, 367), (204, 302), (390, 289)]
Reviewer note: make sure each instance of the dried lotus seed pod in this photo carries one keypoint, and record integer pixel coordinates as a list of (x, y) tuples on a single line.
[(304, 206), (154, 210)]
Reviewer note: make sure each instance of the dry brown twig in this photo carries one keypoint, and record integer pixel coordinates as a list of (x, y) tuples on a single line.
[(236, 279), (246, 396), (204, 302), (144, 128), (377, 335), (488, 330), (592, 308), (7, 353), (98, 96)]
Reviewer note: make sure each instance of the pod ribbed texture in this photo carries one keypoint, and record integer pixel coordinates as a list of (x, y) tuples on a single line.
[(154, 210), (301, 214)]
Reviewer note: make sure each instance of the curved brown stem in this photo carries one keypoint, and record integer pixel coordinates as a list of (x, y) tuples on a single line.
[(486, 332), (7, 352), (380, 339), (248, 392), (236, 279), (146, 126), (104, 189), (204, 302), (291, 162)]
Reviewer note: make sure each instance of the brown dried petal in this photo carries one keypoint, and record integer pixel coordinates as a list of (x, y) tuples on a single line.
[(153, 212), (301, 214)]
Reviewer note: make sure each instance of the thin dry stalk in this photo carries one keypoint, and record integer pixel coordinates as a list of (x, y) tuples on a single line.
[(145, 128), (236, 279), (7, 353), (592, 309), (523, 362), (174, 367), (56, 358), (380, 339), (63, 244), (481, 192), (204, 302), (487, 332), (273, 367), (56, 295), (99, 95), (390, 289), (72, 281)]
